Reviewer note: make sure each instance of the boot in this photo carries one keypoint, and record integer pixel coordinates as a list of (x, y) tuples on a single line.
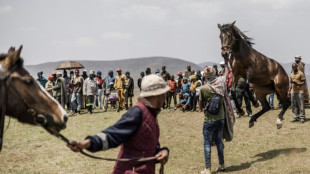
[(126, 106), (206, 171)]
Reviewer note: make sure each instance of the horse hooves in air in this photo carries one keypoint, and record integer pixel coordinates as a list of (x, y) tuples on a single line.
[(279, 123)]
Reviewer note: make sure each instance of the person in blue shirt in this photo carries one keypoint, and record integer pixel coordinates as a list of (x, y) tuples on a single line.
[(185, 87), (41, 80), (184, 104)]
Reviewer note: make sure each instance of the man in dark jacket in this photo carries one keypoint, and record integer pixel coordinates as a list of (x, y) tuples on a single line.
[(128, 89), (140, 80), (137, 131)]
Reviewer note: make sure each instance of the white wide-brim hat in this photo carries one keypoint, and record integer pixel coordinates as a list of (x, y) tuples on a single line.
[(153, 85)]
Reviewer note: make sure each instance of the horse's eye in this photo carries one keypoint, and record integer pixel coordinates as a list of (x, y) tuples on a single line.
[(27, 80)]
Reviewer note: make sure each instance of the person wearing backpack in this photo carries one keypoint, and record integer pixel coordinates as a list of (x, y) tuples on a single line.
[(212, 102)]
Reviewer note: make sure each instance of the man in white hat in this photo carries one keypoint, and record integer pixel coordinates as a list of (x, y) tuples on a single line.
[(137, 131), (60, 90), (222, 71), (301, 67)]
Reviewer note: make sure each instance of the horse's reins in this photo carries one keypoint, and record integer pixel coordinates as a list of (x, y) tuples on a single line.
[(138, 159)]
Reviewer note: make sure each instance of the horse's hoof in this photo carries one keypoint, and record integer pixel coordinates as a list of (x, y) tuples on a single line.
[(251, 124), (257, 105), (279, 123)]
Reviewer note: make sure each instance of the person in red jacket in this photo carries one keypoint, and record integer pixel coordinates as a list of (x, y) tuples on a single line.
[(137, 131), (172, 91)]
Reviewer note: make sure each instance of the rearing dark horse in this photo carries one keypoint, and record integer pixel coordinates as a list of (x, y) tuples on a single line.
[(266, 74)]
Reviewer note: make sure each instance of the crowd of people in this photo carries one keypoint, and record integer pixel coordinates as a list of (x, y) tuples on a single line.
[(211, 90)]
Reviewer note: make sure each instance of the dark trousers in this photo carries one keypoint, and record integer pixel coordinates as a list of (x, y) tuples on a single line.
[(240, 94), (170, 95), (192, 103)]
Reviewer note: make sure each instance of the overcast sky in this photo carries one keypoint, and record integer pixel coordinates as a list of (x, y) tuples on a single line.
[(53, 30)]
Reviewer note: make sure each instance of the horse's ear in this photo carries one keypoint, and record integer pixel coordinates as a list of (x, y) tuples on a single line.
[(13, 56), (232, 24), (220, 26), (12, 49)]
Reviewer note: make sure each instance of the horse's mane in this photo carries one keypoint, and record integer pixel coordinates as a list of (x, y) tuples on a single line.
[(236, 30)]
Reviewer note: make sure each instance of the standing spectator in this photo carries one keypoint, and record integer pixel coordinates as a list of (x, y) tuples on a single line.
[(67, 81), (172, 91), (119, 81), (179, 84), (192, 89), (49, 85), (137, 132), (216, 69), (98, 97), (296, 90), (301, 67), (140, 80), (241, 93), (198, 75), (54, 77), (185, 87), (164, 72), (197, 93), (84, 75), (128, 89), (270, 100), (188, 71), (213, 123), (90, 90), (157, 72), (148, 71), (108, 79), (41, 80), (60, 90), (222, 71), (77, 84)]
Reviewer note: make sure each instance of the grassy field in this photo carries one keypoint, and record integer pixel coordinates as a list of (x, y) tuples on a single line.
[(261, 149)]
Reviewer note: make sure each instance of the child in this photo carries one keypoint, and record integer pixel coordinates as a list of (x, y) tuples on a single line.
[(184, 104)]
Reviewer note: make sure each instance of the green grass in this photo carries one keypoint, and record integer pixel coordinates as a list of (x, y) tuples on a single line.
[(261, 149)]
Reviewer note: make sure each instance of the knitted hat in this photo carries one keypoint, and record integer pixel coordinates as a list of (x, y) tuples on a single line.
[(153, 85), (50, 76), (209, 72), (59, 72), (99, 72), (119, 70), (77, 70)]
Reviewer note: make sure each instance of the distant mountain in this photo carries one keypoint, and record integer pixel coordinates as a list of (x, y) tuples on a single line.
[(134, 66)]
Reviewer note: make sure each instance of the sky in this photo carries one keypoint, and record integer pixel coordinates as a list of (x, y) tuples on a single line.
[(55, 30)]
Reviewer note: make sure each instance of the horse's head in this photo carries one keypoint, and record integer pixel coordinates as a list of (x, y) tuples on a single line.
[(26, 99), (227, 38)]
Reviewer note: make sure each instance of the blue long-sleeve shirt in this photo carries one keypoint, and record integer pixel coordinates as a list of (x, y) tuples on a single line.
[(118, 133), (185, 101), (185, 87)]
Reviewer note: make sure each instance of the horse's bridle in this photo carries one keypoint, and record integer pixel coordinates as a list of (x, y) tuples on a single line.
[(4, 78), (232, 43), (43, 122)]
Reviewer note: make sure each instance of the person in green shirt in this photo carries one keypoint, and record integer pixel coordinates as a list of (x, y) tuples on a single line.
[(213, 123)]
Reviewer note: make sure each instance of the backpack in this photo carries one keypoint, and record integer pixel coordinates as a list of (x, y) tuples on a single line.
[(214, 105)]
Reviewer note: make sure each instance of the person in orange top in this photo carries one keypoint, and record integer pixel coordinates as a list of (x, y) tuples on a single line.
[(172, 91), (119, 79)]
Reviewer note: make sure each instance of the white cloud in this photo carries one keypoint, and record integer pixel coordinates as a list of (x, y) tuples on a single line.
[(5, 9), (116, 35), (84, 41), (203, 9), (145, 12)]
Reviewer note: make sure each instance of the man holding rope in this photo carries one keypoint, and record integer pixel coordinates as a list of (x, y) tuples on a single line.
[(137, 131)]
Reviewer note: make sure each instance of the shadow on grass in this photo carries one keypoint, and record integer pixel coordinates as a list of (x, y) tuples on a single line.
[(264, 157)]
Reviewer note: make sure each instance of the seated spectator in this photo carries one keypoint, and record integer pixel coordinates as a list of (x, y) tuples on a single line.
[(184, 104)]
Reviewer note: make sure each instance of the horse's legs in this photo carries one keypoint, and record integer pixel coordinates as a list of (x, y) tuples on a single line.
[(261, 93)]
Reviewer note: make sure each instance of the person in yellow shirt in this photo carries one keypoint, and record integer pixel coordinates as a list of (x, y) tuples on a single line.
[(119, 79), (192, 90), (296, 93)]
